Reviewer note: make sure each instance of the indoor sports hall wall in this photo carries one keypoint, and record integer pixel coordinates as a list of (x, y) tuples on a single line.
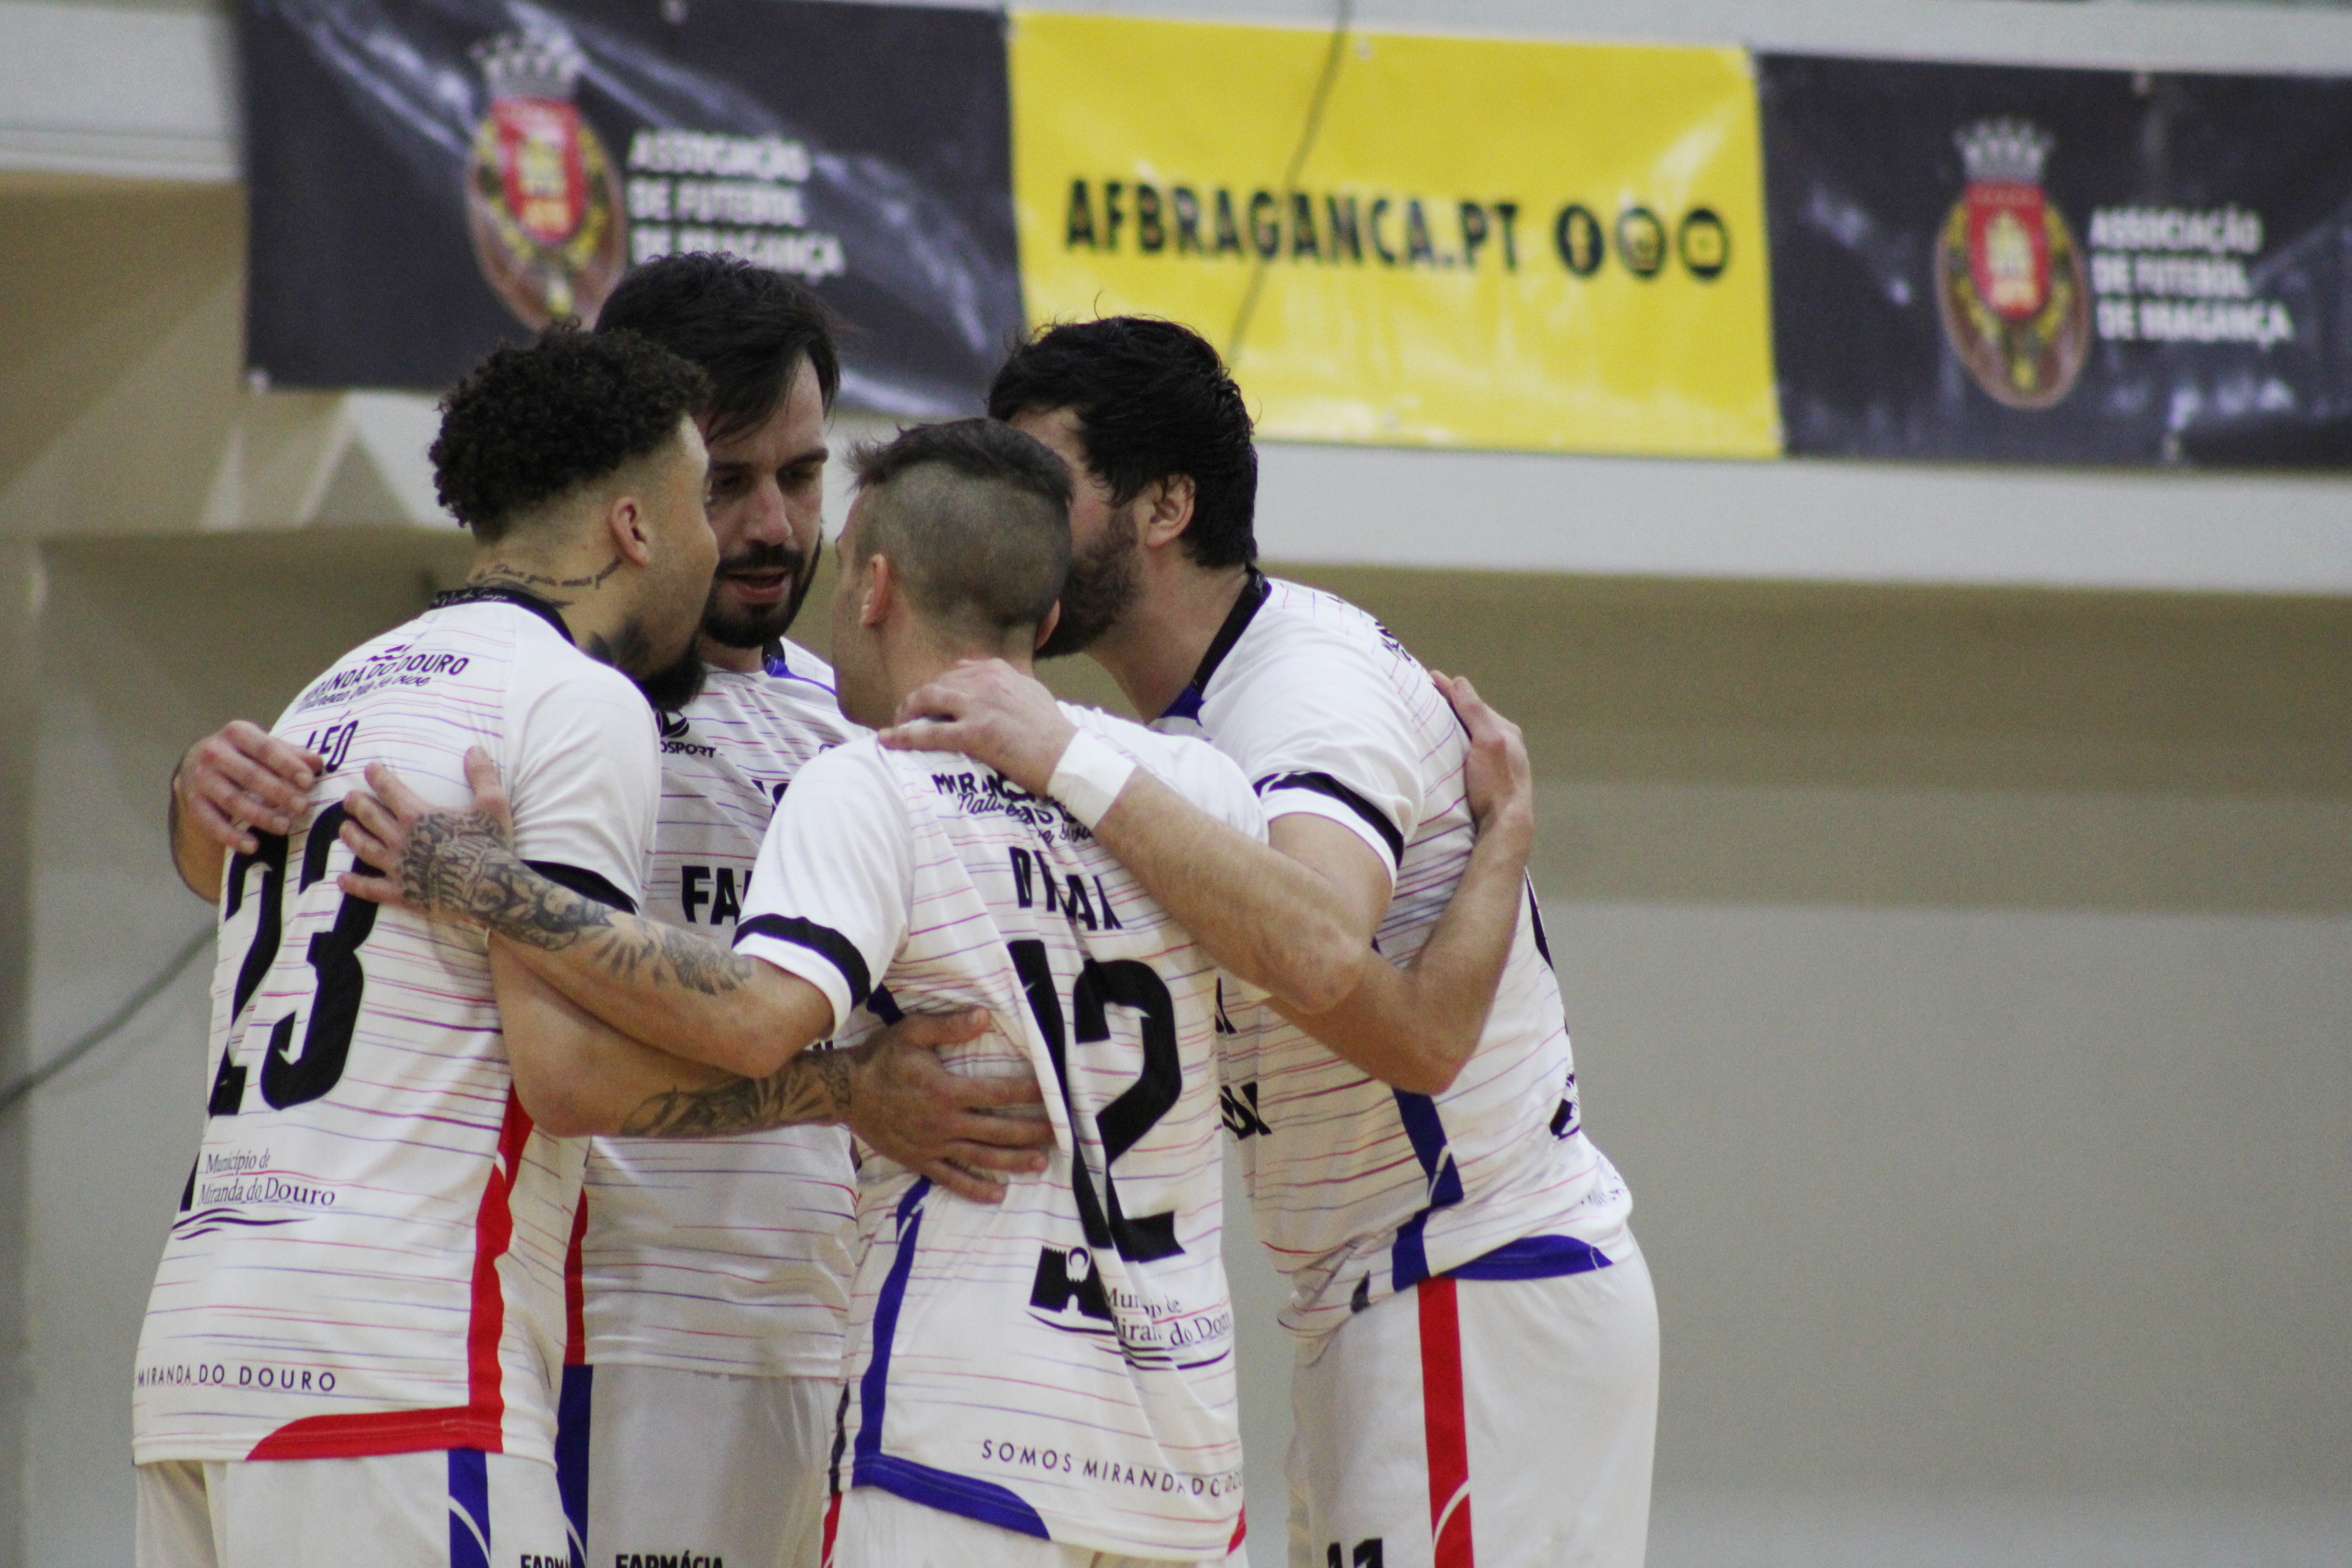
[(1946, 865), (1957, 975)]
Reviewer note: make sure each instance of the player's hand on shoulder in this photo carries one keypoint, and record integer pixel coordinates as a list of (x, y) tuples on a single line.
[(409, 855), (965, 1133), (242, 777), (991, 713), (1496, 778)]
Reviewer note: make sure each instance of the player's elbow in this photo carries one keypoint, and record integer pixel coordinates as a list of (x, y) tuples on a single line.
[(1323, 969), (1429, 1072), (757, 1042), (755, 1055), (554, 1102)]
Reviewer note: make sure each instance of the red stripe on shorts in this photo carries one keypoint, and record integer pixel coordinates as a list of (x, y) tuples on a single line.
[(1445, 1425), (575, 1289), (832, 1530)]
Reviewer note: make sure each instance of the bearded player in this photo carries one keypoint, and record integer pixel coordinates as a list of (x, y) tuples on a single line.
[(1045, 1381), (1057, 1372), (1477, 1334), (350, 1348), (712, 1277)]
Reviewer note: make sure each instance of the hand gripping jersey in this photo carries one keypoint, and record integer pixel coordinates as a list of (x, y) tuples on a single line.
[(724, 1254), (368, 1254), (1360, 1190), (1060, 1364)]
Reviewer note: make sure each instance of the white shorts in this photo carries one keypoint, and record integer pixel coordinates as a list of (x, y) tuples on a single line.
[(874, 1528), (1481, 1424), (458, 1508), (684, 1467)]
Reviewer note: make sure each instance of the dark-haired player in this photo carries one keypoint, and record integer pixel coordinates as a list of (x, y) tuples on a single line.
[(1477, 1376), (698, 1404), (350, 1348), (1045, 1381)]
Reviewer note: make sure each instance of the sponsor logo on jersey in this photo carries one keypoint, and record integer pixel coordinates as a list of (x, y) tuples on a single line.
[(988, 793), (394, 666), (542, 197), (2008, 274)]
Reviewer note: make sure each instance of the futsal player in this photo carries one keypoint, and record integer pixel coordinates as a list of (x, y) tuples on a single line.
[(349, 1351), (713, 1276), (1048, 1380), (1476, 1331)]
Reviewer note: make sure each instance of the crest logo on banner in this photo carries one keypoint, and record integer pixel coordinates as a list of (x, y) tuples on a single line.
[(2008, 274), (542, 199)]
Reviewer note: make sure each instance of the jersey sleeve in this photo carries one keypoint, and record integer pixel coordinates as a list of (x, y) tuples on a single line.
[(1324, 733), (583, 776), (835, 879)]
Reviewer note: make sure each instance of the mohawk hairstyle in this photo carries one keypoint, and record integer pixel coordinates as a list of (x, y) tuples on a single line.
[(975, 519), (530, 423)]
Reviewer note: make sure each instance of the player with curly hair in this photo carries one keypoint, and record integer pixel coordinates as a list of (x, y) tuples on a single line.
[(349, 1349), (702, 1374)]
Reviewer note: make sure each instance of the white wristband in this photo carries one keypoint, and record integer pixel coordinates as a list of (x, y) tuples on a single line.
[(1089, 776)]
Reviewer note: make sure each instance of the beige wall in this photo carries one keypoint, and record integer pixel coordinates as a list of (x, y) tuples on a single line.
[(1958, 980), (1956, 974)]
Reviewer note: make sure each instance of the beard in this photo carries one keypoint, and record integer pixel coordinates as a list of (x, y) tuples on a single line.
[(758, 627), (1103, 584), (671, 688)]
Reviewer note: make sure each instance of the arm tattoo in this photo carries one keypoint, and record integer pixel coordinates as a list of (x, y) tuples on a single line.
[(649, 953), (458, 865), (814, 1087)]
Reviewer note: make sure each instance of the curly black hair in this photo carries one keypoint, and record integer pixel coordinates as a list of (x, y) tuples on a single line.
[(1154, 400), (530, 423), (747, 328)]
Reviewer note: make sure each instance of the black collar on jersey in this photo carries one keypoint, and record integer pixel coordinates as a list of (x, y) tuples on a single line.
[(505, 593), (1237, 621)]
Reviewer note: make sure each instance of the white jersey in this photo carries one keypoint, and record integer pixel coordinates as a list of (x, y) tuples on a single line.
[(369, 1258), (1360, 1190), (724, 1254), (1060, 1364)]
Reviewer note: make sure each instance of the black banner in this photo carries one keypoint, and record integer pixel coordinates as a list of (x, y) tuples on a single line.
[(2059, 266), (429, 176)]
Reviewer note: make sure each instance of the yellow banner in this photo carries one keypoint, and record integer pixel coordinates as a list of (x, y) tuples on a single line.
[(1489, 242)]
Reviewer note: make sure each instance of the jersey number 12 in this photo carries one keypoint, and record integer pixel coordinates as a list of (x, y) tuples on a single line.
[(1123, 1123)]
